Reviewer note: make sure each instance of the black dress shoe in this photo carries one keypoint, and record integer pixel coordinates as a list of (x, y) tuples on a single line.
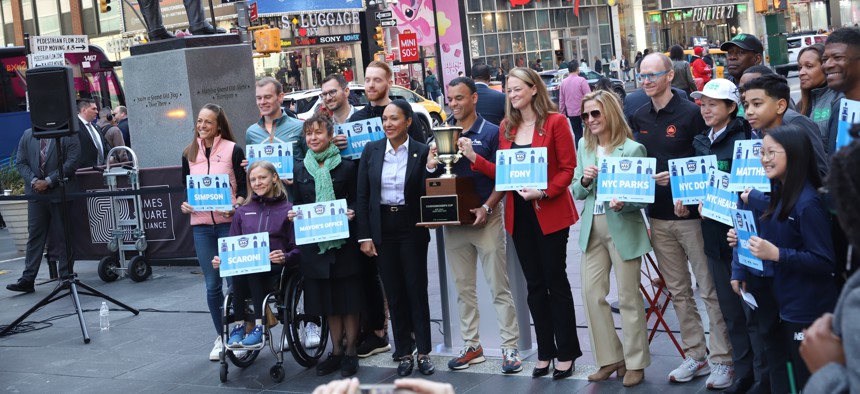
[(331, 364), (160, 34), (425, 366), (559, 374), (22, 286), (538, 372), (208, 29), (405, 367), (349, 366)]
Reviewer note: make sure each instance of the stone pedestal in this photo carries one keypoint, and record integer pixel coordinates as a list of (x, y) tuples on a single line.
[(167, 82)]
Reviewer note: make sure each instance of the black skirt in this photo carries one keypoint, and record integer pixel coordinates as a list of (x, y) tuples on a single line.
[(334, 296)]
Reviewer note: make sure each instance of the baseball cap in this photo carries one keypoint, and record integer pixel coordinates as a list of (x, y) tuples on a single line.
[(747, 42), (698, 51), (720, 89)]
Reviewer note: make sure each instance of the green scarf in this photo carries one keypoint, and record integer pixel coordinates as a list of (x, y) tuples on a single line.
[(323, 186)]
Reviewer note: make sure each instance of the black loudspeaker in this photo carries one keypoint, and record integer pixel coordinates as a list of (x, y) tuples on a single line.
[(51, 93)]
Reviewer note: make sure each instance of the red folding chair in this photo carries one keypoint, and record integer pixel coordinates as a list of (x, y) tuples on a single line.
[(655, 290)]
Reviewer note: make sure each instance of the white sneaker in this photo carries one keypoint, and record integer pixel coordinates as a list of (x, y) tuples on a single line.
[(721, 376), (215, 354), (312, 336), (688, 370)]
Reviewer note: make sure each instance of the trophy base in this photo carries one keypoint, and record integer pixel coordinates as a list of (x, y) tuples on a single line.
[(448, 202)]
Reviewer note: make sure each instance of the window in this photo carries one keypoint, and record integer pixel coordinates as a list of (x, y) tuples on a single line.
[(488, 23), (492, 44), (473, 5), (49, 17), (530, 21), (475, 24), (516, 21), (505, 43), (502, 21)]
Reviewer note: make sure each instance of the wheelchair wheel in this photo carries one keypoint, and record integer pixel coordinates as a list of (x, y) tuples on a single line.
[(243, 361), (223, 373), (277, 373), (297, 322)]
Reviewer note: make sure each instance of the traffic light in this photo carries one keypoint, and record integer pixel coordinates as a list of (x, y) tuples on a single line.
[(379, 37)]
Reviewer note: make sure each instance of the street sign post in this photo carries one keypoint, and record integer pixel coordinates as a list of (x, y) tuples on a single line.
[(252, 10), (384, 15), (67, 44), (388, 23)]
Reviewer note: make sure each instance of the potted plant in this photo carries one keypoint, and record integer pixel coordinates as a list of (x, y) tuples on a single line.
[(14, 211)]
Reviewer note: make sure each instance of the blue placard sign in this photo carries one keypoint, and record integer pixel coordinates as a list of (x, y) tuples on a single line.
[(719, 201), (744, 222), (244, 254), (688, 178), (358, 134), (520, 168), (279, 153), (849, 114), (209, 192), (747, 171), (628, 179), (322, 221)]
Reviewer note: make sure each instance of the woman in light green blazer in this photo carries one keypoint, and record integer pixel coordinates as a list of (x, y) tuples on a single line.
[(613, 235)]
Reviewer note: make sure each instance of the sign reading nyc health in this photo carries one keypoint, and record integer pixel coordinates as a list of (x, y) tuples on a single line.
[(244, 254), (520, 168), (358, 134), (744, 223), (322, 221), (209, 192), (747, 171), (719, 201), (689, 178), (628, 179), (279, 153)]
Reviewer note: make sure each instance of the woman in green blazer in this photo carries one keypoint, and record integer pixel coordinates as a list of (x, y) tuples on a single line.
[(613, 235)]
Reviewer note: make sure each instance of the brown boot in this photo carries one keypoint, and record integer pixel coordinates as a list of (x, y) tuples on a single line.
[(607, 370), (634, 377)]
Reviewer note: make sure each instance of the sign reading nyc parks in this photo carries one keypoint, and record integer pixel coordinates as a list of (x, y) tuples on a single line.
[(520, 168), (688, 178), (744, 223), (628, 179), (322, 221), (747, 171), (358, 134), (719, 201), (209, 192), (280, 154), (244, 254), (68, 44)]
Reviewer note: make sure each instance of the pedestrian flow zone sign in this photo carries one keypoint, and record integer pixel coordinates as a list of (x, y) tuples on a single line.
[(68, 44)]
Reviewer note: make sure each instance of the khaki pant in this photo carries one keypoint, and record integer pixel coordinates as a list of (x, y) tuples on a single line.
[(675, 242), (598, 258), (463, 246)]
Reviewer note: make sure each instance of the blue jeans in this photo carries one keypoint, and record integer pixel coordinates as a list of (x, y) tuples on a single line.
[(206, 245)]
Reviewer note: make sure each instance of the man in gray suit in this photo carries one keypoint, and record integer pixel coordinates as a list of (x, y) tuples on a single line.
[(38, 162), (491, 104)]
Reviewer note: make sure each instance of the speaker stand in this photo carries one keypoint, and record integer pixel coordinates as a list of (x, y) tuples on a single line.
[(70, 283)]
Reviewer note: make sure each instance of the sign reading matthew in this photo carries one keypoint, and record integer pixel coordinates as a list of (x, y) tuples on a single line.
[(358, 134), (628, 179), (747, 171), (520, 168), (322, 221), (244, 254), (209, 192), (278, 153)]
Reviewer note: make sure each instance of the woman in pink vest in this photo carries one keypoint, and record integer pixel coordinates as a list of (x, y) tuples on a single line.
[(213, 152)]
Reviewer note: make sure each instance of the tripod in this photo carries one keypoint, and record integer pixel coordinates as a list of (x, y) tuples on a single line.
[(68, 285)]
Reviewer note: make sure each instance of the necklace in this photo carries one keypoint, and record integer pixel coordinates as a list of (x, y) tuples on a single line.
[(529, 124)]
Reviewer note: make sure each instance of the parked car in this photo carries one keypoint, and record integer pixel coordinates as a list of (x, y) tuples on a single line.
[(795, 43), (552, 79)]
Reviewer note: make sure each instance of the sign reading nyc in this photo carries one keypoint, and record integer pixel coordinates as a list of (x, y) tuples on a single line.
[(68, 44)]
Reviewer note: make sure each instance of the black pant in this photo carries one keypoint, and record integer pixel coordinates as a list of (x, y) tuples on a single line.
[(793, 335), (402, 261), (768, 339), (736, 322), (373, 315), (576, 124), (256, 285), (44, 221), (543, 261)]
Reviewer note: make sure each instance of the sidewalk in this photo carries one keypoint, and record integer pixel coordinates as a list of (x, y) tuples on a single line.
[(165, 348)]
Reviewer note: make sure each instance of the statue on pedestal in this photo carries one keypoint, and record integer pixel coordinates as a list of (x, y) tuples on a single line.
[(196, 19)]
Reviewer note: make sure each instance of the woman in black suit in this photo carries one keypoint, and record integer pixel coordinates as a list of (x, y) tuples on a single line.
[(331, 269), (391, 178)]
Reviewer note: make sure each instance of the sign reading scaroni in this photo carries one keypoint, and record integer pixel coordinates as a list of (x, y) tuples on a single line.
[(408, 47)]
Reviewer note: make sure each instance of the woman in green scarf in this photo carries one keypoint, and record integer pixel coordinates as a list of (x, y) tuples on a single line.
[(331, 269)]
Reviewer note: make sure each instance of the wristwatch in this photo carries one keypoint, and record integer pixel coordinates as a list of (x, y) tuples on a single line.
[(487, 209)]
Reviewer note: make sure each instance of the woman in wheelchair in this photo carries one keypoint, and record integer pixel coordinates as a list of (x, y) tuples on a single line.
[(265, 209), (331, 269)]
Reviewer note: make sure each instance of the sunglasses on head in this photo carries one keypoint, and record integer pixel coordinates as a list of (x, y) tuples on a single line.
[(593, 114)]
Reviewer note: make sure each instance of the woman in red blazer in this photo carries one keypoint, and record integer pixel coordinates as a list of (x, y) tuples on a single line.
[(539, 220)]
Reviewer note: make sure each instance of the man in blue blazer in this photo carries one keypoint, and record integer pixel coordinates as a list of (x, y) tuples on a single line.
[(491, 104)]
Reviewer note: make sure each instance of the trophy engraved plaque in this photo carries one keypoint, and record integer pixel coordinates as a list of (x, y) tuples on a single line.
[(449, 198)]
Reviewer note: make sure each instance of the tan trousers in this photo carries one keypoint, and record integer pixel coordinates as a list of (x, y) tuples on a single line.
[(675, 242), (599, 257), (463, 246)]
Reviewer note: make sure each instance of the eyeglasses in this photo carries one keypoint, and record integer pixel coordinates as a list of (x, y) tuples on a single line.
[(652, 76), (770, 154), (330, 93), (593, 114)]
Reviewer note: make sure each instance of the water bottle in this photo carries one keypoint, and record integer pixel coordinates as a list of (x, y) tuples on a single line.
[(104, 317)]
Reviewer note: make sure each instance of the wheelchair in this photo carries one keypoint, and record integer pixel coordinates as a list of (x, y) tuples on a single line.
[(286, 301)]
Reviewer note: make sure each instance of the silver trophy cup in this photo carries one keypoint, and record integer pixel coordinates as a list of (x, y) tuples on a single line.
[(447, 150)]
